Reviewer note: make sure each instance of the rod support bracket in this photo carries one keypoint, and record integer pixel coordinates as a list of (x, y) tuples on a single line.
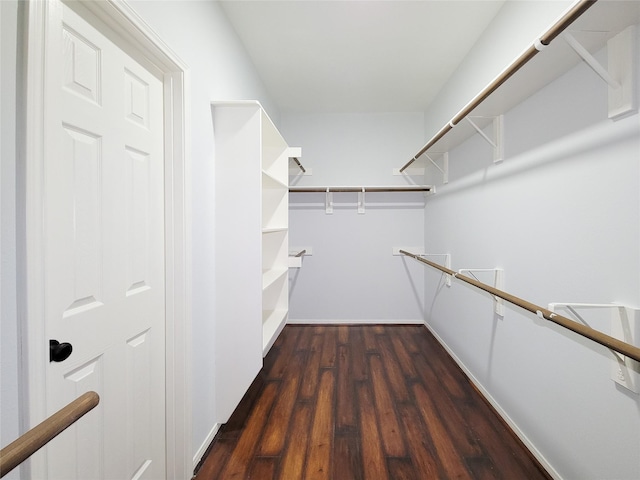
[(498, 283)]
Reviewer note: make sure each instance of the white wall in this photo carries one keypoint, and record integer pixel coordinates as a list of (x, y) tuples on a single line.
[(352, 275), (561, 216), (220, 69), (9, 365)]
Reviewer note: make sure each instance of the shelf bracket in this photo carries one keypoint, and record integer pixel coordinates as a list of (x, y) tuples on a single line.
[(498, 136), (296, 169), (625, 326), (590, 60), (361, 202), (498, 282), (620, 73), (445, 166), (328, 203), (447, 264)]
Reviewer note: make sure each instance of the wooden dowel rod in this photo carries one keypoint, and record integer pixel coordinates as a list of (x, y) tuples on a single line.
[(26, 445), (619, 346), (570, 17), (531, 52), (357, 189)]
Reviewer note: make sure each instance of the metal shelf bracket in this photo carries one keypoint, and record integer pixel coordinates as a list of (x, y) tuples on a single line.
[(498, 136), (625, 326), (498, 282)]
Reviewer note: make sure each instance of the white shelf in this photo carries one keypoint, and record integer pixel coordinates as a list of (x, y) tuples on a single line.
[(269, 181), (273, 321), (271, 276), (275, 230)]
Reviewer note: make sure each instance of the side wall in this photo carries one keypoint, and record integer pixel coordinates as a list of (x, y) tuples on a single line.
[(561, 216), (352, 275)]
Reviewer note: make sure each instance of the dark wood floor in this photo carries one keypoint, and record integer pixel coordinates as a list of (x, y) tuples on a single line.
[(364, 402)]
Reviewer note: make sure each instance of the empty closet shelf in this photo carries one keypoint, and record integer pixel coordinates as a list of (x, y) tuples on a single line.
[(269, 277)]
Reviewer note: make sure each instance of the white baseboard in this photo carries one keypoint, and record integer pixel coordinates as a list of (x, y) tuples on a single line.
[(532, 448), (197, 458), (338, 321)]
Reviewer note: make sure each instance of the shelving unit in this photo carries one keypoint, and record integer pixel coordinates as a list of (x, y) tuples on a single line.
[(252, 243)]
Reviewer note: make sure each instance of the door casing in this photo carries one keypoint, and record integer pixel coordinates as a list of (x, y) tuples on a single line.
[(132, 30)]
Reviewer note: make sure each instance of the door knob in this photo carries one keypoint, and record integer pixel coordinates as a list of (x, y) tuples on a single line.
[(59, 352)]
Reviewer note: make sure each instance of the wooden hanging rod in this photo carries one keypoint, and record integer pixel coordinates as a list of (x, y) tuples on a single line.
[(299, 164), (619, 346), (573, 14), (410, 188), (26, 445)]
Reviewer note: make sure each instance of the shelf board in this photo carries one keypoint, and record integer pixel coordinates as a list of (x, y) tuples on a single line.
[(269, 181), (269, 277), (273, 321), (274, 229)]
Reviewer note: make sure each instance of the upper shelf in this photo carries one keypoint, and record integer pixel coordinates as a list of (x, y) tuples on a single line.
[(601, 22)]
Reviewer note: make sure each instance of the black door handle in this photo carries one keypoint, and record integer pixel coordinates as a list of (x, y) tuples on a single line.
[(59, 352)]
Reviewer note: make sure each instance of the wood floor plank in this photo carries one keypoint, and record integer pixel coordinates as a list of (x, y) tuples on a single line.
[(360, 366), (294, 457), (401, 469), (242, 454), (345, 393), (275, 432), (448, 455), (420, 443), (403, 354), (262, 468), (328, 357), (392, 367), (369, 336), (347, 463), (343, 334), (392, 439), (312, 370), (373, 458), (465, 439), (276, 363), (321, 442)]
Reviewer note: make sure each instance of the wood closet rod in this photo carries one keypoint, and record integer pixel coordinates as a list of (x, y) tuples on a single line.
[(417, 188), (619, 346), (531, 52), (26, 445)]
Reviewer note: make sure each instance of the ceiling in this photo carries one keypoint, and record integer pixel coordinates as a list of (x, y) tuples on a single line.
[(357, 56)]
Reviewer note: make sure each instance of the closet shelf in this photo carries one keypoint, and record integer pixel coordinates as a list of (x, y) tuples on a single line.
[(274, 229), (530, 72), (269, 277), (269, 181)]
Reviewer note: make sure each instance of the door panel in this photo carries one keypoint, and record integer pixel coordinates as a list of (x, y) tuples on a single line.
[(104, 255)]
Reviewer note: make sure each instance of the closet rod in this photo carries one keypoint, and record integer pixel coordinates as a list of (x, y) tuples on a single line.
[(619, 346), (555, 30), (416, 188), (299, 164)]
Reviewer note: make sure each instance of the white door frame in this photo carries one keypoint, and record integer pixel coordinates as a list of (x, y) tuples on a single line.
[(126, 23)]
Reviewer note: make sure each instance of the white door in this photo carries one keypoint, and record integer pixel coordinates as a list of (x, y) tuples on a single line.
[(103, 261)]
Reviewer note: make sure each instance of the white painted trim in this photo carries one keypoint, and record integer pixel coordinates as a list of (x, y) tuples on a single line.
[(118, 16), (339, 321), (498, 408), (197, 458)]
